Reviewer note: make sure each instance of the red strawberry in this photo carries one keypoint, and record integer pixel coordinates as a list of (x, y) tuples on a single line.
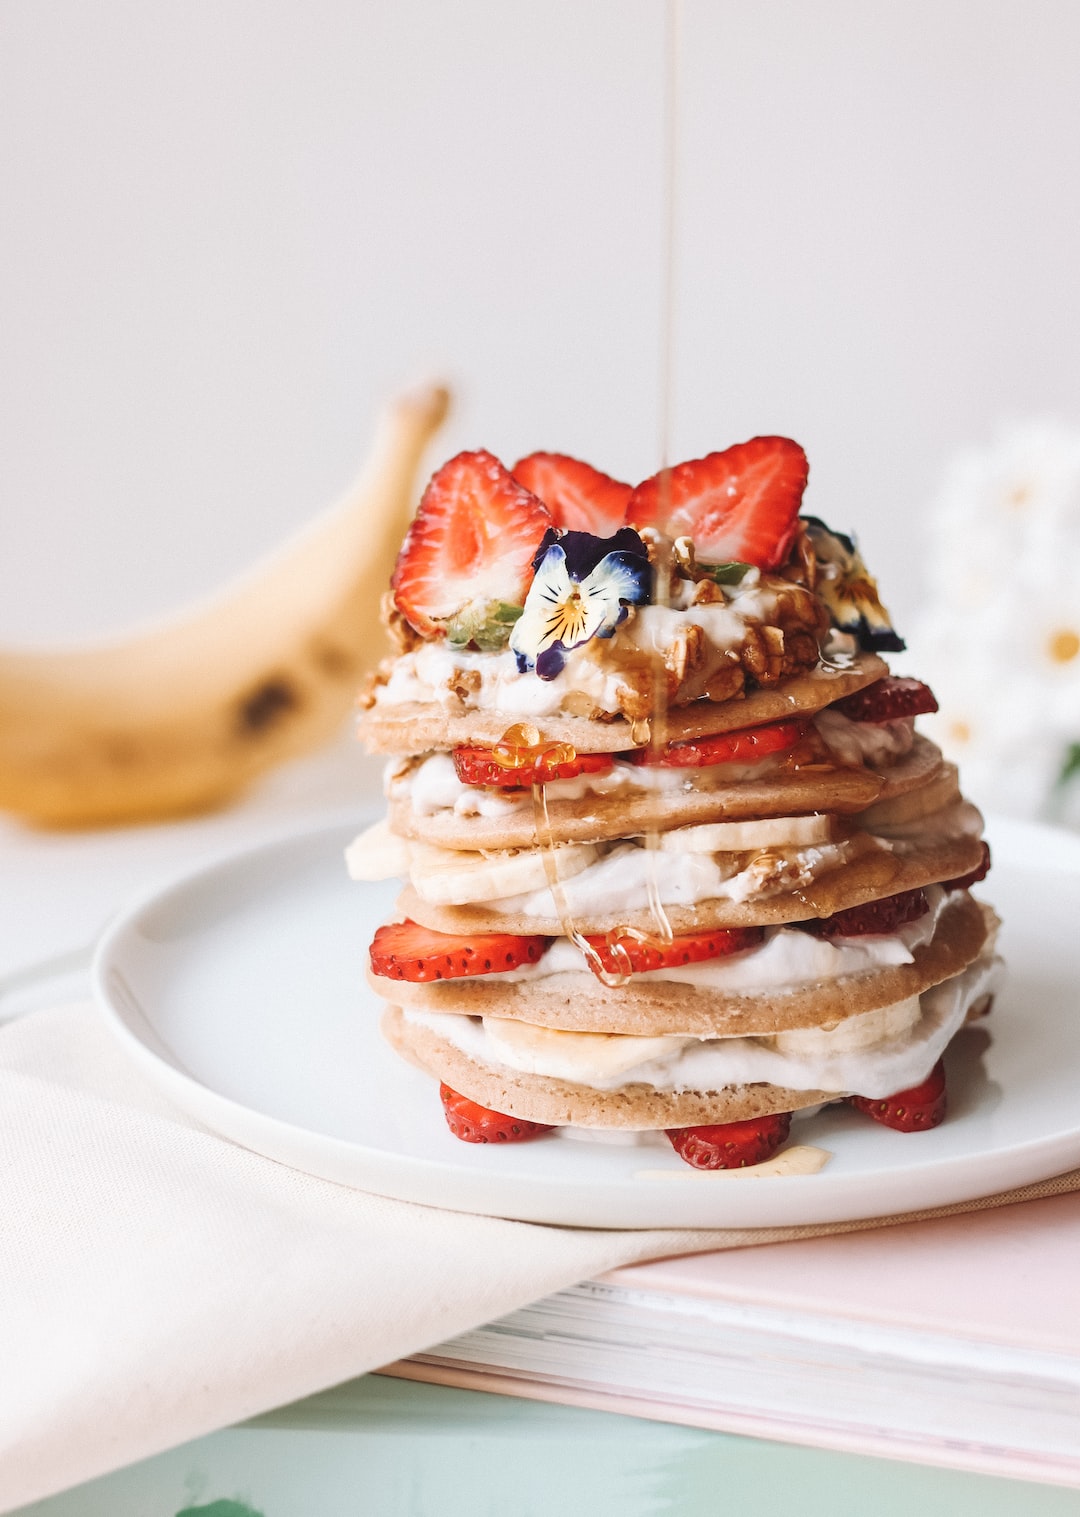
[(471, 544), (886, 915), (913, 1110), (577, 495), (981, 870), (886, 700), (693, 948), (407, 951), (747, 746), (476, 766), (475, 1124), (740, 505), (731, 1145)]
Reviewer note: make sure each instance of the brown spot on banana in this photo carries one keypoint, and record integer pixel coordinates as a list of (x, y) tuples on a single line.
[(267, 704)]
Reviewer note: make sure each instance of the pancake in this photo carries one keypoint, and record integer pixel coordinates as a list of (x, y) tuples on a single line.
[(590, 817), (539, 1098), (874, 874), (421, 727), (508, 615), (646, 1007)]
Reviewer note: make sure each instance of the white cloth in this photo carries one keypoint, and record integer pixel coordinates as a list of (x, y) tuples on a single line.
[(158, 1282)]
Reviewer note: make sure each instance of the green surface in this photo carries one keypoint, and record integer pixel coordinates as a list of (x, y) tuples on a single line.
[(388, 1448)]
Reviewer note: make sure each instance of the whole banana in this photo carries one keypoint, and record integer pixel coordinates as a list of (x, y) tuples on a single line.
[(181, 717)]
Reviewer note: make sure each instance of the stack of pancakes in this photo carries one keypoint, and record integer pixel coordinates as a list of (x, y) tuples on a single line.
[(805, 912)]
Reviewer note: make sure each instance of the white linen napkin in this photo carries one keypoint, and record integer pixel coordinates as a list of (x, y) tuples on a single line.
[(158, 1282)]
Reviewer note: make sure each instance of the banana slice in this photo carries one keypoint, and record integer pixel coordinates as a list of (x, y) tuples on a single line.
[(852, 1033), (580, 1056), (450, 877), (378, 854), (734, 837)]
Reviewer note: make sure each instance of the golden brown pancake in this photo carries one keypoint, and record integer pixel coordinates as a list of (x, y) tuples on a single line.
[(626, 813), (538, 1098), (417, 727), (875, 873), (576, 1001)]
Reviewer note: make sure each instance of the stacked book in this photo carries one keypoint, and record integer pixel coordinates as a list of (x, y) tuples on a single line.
[(953, 1342)]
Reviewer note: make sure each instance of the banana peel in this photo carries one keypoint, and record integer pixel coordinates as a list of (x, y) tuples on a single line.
[(182, 717)]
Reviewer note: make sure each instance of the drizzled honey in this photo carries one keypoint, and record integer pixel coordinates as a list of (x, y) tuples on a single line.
[(521, 747), (648, 731)]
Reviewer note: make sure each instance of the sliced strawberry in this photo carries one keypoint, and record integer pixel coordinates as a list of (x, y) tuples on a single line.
[(731, 1145), (693, 948), (577, 495), (407, 951), (470, 546), (886, 700), (913, 1110), (477, 766), (741, 505), (747, 746), (882, 916), (476, 1124), (981, 870)]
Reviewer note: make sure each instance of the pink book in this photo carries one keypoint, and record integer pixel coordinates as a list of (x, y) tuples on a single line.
[(953, 1342)]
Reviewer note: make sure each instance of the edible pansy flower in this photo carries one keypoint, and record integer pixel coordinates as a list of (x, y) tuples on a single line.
[(582, 589), (849, 590)]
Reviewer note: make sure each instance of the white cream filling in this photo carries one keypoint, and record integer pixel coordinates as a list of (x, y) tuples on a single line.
[(619, 882), (875, 744), (428, 673), (786, 959), (875, 1070), (596, 669)]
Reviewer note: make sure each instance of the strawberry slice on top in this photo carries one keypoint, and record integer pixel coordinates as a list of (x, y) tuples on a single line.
[(470, 547), (578, 496), (741, 505)]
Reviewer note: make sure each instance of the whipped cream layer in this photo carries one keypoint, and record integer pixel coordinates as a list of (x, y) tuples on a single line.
[(878, 745), (599, 669), (622, 880), (786, 959), (838, 1062)]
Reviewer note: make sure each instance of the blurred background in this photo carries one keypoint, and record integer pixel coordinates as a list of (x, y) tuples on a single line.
[(232, 229)]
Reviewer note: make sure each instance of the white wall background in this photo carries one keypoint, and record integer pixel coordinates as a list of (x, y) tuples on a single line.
[(231, 227)]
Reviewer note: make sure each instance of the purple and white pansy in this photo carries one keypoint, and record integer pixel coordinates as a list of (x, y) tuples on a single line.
[(582, 589)]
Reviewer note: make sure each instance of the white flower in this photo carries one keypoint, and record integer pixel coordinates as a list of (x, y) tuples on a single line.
[(1000, 641), (582, 588)]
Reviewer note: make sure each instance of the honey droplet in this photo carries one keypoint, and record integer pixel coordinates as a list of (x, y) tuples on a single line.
[(521, 735), (641, 732), (521, 747)]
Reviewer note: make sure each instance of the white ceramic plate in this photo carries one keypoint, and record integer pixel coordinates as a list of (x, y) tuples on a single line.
[(240, 991)]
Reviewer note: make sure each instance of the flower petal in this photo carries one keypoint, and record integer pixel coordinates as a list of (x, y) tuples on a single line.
[(542, 620), (562, 612)]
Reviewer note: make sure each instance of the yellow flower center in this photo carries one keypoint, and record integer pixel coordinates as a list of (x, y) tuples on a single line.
[(1064, 645), (960, 732)]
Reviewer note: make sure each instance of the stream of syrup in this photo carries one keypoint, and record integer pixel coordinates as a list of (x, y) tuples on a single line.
[(653, 730)]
